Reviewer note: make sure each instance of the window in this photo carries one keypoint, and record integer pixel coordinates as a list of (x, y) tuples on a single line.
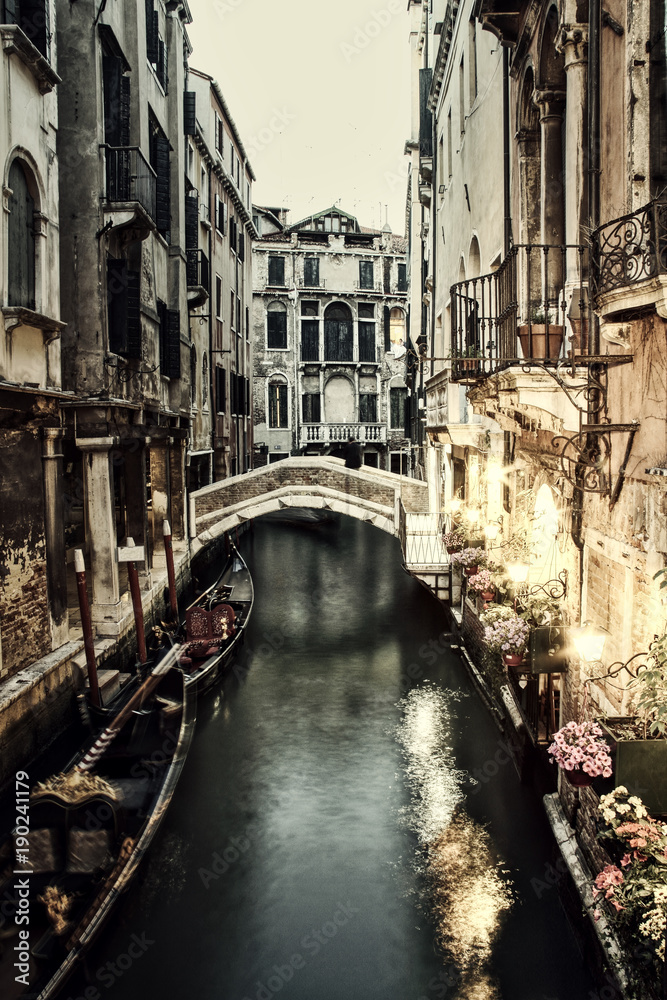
[(472, 57), (21, 260), (398, 399), (220, 212), (276, 327), (310, 340), (402, 277), (247, 323), (218, 296), (366, 277), (337, 333), (204, 382), (32, 16), (220, 389), (241, 245), (156, 50), (219, 134), (449, 145), (170, 341), (160, 163), (116, 89), (310, 308), (310, 408), (398, 462), (462, 96), (122, 308), (231, 310), (368, 407), (276, 270), (233, 234), (193, 376), (278, 402), (366, 332), (311, 272), (239, 329)]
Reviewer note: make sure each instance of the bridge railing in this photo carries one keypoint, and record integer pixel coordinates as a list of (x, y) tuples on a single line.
[(339, 433), (424, 545)]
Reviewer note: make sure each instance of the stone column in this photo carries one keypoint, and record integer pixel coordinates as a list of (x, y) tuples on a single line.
[(573, 43), (54, 531), (160, 490), (552, 189), (106, 610)]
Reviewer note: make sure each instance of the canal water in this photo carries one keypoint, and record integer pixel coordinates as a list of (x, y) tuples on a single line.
[(347, 826)]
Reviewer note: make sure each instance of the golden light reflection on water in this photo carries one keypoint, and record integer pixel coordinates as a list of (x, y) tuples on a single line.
[(467, 892)]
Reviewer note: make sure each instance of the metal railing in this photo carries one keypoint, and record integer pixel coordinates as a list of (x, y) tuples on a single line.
[(302, 283), (339, 433), (130, 177), (198, 270), (630, 249), (518, 312), (375, 286)]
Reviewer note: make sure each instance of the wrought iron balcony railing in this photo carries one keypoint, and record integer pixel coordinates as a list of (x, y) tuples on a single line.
[(198, 270), (631, 249), (517, 314), (130, 177)]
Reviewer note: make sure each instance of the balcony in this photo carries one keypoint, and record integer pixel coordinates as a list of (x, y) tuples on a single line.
[(370, 289), (199, 280), (338, 434), (315, 286), (518, 314), (131, 185), (630, 263)]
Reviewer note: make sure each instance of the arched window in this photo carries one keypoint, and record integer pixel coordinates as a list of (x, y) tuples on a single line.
[(277, 409), (276, 327), (398, 401), (21, 238), (474, 259), (338, 333), (397, 331), (204, 381), (193, 376)]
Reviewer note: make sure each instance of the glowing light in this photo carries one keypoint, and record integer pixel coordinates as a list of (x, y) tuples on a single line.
[(494, 473), (492, 531), (455, 505), (589, 641), (473, 515), (518, 572)]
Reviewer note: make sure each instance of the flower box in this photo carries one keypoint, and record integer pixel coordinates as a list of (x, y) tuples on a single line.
[(639, 764)]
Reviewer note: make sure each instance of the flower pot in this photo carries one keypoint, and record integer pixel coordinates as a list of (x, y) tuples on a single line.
[(513, 659), (488, 595), (639, 764), (578, 778), (453, 548), (470, 570), (539, 348)]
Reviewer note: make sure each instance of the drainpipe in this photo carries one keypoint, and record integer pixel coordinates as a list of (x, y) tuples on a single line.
[(593, 150), (507, 228)]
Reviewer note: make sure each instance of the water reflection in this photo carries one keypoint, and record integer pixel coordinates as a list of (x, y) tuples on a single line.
[(466, 888)]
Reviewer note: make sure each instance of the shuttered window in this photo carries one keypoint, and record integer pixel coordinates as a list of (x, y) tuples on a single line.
[(366, 278), (368, 408), (367, 342), (123, 314), (398, 408), (151, 31), (116, 102), (278, 404), (276, 270), (387, 329), (310, 340), (311, 272), (220, 389), (402, 277), (192, 220), (311, 408), (21, 259), (170, 341), (337, 339), (33, 18), (276, 327), (241, 242), (160, 163), (189, 112)]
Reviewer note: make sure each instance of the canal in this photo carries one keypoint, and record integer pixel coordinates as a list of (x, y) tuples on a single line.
[(347, 824)]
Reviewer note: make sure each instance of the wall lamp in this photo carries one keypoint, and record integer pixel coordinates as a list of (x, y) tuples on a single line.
[(589, 641), (493, 528)]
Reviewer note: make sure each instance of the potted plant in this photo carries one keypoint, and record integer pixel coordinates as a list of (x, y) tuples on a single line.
[(453, 539), (581, 752), (508, 635), (540, 337), (469, 560), (482, 582), (634, 889), (638, 743)]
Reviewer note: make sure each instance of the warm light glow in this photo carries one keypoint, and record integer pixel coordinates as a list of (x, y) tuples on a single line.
[(492, 531), (589, 641), (518, 572), (455, 505), (473, 515), (494, 473)]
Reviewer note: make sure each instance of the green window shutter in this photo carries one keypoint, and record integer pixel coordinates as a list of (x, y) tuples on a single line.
[(162, 187), (173, 351), (387, 329), (367, 342), (189, 112), (151, 31)]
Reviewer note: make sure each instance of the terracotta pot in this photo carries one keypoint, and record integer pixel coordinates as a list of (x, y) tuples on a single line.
[(540, 349), (453, 548), (470, 570), (513, 659), (578, 778), (488, 595)]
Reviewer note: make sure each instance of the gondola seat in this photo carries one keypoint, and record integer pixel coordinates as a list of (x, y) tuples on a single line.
[(222, 621)]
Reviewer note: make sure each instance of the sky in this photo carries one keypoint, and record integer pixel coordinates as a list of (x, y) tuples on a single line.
[(320, 94)]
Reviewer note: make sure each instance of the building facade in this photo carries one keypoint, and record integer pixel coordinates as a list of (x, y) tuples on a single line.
[(33, 599), (330, 332)]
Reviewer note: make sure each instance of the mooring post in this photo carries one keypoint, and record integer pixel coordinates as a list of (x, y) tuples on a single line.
[(169, 552), (135, 591), (87, 626)]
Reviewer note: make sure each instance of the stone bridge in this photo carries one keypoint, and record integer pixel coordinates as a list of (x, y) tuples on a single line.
[(393, 503)]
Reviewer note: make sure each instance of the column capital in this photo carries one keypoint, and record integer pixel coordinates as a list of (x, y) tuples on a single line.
[(572, 41), (51, 438), (551, 103), (97, 444)]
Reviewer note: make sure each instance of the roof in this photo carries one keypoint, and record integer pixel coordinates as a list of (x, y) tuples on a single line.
[(334, 210), (230, 121)]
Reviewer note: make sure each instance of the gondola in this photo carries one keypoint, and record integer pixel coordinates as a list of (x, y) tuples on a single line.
[(79, 836), (214, 625)]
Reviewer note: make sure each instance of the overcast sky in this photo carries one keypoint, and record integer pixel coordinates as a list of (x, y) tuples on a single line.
[(320, 93)]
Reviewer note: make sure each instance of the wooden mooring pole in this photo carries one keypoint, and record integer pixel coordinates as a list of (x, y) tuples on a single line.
[(169, 552), (135, 591), (87, 626)]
